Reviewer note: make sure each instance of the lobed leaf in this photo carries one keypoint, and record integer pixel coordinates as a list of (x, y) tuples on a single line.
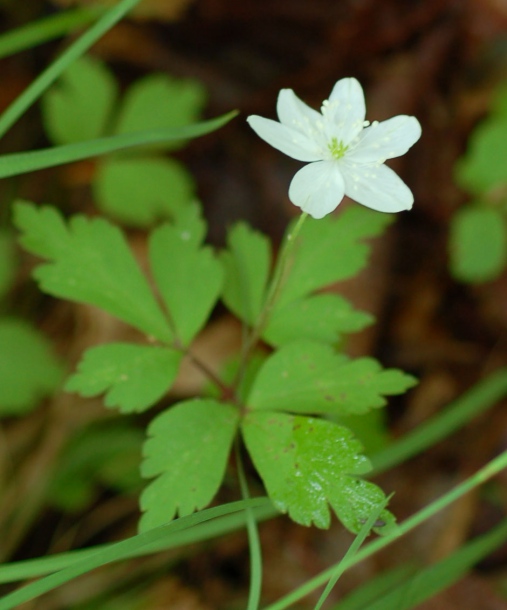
[(478, 243), (188, 276), (160, 102), (79, 107), (28, 369), (307, 464), (90, 262), (139, 191), (329, 250), (134, 377), (322, 317), (310, 377), (247, 265), (187, 451)]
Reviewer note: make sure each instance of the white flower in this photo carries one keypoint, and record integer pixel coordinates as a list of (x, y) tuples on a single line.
[(345, 152)]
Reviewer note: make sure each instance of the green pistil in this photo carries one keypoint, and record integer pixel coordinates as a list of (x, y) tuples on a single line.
[(338, 149)]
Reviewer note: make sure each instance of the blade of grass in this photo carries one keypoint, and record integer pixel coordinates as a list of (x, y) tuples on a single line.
[(351, 552), (50, 74), (120, 550), (431, 580), (477, 400), (31, 568), (46, 29), (489, 470), (21, 163)]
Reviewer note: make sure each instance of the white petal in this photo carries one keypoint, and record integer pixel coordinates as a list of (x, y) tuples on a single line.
[(377, 187), (317, 188), (295, 114), (292, 143), (345, 110), (386, 140)]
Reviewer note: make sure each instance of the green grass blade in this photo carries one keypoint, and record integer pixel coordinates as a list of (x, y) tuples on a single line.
[(429, 581), (121, 550), (489, 470), (46, 29), (44, 80), (31, 568), (477, 400), (21, 163)]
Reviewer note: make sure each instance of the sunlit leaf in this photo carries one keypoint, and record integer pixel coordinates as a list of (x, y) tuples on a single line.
[(80, 105), (28, 369), (134, 377), (187, 451), (308, 464), (478, 243), (188, 276), (139, 191), (90, 262), (323, 317), (247, 264), (310, 377)]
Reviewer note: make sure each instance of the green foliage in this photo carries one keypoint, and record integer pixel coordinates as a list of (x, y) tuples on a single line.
[(478, 232), (90, 262), (28, 369), (307, 462), (7, 262), (307, 376), (104, 455), (247, 265), (134, 377), (478, 244), (187, 451), (140, 188)]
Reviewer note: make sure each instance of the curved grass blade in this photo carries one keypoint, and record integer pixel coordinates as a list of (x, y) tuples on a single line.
[(21, 163)]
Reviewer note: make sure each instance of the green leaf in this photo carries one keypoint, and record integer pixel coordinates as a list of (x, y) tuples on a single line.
[(323, 317), (478, 244), (187, 450), (140, 191), (484, 166), (159, 102), (105, 454), (329, 250), (22, 163), (90, 262), (79, 106), (28, 369), (188, 276), (308, 463), (247, 264), (309, 377), (7, 262), (134, 377)]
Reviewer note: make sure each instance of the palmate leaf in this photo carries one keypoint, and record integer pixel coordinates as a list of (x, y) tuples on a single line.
[(187, 451), (310, 377), (80, 105), (322, 317), (329, 250), (90, 262), (308, 463), (134, 377), (141, 190), (188, 275), (247, 265), (28, 369)]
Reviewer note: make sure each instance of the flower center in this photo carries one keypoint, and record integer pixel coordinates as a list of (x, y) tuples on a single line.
[(337, 148)]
